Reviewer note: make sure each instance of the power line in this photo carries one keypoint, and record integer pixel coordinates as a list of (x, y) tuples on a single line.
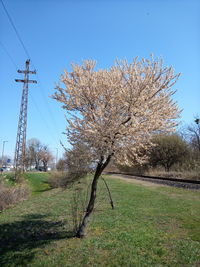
[(32, 98), (15, 29), (8, 54), (27, 53), (42, 117), (46, 102)]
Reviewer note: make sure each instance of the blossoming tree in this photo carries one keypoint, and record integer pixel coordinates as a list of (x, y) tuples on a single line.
[(116, 111)]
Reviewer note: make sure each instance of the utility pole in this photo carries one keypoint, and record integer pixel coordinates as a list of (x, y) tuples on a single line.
[(20, 149), (56, 156), (3, 153)]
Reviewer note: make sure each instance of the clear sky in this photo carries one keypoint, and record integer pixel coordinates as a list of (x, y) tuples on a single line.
[(58, 32)]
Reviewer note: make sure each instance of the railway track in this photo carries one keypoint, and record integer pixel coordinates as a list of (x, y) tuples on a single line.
[(184, 183)]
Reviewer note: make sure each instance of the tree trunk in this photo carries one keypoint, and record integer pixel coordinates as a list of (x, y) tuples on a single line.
[(100, 167), (37, 165), (45, 165), (167, 167)]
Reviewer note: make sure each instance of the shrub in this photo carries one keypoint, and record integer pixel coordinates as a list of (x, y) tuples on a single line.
[(12, 195), (78, 203), (65, 179), (134, 169)]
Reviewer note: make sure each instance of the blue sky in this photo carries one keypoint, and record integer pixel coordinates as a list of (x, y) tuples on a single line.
[(57, 33)]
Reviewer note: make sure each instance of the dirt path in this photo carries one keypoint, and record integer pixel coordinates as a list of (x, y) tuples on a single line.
[(136, 181)]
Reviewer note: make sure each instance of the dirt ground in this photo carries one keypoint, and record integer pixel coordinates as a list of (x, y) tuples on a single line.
[(136, 181)]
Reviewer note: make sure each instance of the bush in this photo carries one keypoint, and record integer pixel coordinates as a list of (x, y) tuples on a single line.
[(57, 179), (65, 179), (12, 195), (135, 169), (78, 203)]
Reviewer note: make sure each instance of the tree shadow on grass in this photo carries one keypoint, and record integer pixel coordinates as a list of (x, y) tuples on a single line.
[(19, 239)]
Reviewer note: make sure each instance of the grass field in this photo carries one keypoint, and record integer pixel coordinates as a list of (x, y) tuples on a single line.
[(150, 226), (38, 182)]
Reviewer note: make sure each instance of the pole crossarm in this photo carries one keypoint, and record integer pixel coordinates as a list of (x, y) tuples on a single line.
[(20, 149), (24, 81), (24, 71)]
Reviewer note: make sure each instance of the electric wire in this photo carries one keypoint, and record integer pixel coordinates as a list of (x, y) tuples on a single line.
[(32, 98), (27, 53), (42, 92), (8, 54), (42, 117), (15, 29)]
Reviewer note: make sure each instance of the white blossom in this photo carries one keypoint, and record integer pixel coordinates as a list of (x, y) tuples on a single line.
[(116, 111)]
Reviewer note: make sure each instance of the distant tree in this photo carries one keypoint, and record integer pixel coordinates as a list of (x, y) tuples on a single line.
[(168, 150), (191, 134), (34, 147), (45, 156), (116, 111), (30, 159), (61, 165), (79, 158), (76, 159), (37, 154), (194, 134)]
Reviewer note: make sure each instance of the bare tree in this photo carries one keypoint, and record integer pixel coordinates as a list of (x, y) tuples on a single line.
[(116, 111), (194, 133), (45, 156), (79, 158), (61, 165), (191, 134), (37, 154), (76, 159), (34, 148)]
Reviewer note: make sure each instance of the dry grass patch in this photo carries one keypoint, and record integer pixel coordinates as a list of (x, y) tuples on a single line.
[(12, 195)]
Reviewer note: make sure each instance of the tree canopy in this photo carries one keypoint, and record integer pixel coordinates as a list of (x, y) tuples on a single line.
[(116, 111), (168, 150)]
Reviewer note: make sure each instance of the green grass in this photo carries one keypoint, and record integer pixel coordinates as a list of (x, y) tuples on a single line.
[(150, 226), (38, 181)]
